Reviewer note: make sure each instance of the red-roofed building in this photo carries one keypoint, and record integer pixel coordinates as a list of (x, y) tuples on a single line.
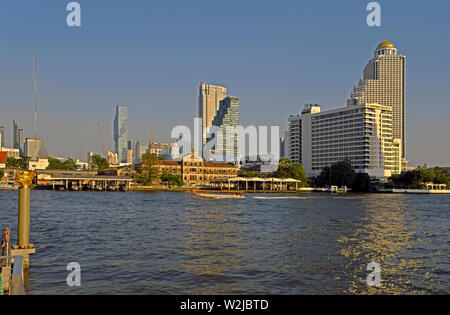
[(3, 157)]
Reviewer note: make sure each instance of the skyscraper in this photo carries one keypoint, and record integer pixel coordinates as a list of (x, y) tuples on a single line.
[(208, 104), (227, 119), (384, 83), (35, 149), (2, 137), (121, 132), (18, 138)]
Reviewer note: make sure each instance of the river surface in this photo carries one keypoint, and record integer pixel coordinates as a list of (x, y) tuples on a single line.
[(176, 243)]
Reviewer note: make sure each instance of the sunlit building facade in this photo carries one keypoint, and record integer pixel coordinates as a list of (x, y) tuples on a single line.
[(362, 133), (383, 82), (208, 105)]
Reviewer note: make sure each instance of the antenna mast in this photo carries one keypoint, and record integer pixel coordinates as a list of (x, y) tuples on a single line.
[(35, 97)]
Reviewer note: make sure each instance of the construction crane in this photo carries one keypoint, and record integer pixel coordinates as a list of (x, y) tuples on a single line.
[(101, 140)]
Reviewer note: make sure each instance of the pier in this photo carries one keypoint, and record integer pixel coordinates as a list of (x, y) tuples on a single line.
[(14, 259), (81, 180)]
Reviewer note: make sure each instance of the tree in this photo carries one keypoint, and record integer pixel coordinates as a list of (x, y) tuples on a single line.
[(98, 163), (17, 163), (361, 183), (288, 170), (340, 174), (55, 164), (175, 180), (150, 157), (415, 179), (247, 174), (70, 164), (2, 174), (147, 175)]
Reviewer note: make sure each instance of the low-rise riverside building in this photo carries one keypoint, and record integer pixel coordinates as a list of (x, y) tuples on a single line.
[(194, 171)]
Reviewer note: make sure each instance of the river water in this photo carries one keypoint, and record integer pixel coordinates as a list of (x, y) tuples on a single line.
[(176, 243)]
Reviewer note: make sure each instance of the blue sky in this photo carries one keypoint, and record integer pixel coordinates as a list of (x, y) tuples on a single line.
[(274, 55)]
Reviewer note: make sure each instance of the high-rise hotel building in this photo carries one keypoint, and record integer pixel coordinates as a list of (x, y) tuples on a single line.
[(361, 133), (208, 105), (369, 131), (383, 82)]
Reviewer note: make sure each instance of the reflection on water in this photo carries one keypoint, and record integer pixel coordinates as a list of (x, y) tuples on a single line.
[(175, 243), (212, 245), (385, 236)]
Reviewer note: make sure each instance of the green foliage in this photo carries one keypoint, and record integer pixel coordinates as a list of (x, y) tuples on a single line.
[(342, 174), (288, 170), (175, 180), (415, 179), (147, 175), (55, 164), (247, 174), (97, 163), (149, 157), (17, 163), (2, 174)]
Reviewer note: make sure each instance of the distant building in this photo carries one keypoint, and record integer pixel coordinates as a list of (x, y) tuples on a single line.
[(14, 153), (141, 148), (3, 157), (282, 147), (18, 138), (121, 132), (227, 119), (40, 164), (112, 158), (35, 149), (2, 137), (159, 148), (89, 155), (130, 156), (208, 105)]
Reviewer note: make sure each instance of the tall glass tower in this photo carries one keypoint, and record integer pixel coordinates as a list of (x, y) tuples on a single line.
[(227, 119), (121, 132), (384, 83)]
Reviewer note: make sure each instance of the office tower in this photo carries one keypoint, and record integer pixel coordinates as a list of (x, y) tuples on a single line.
[(16, 135), (21, 142), (227, 119), (361, 133), (282, 147), (121, 132), (2, 137), (384, 83), (34, 149), (208, 104), (18, 138), (141, 148)]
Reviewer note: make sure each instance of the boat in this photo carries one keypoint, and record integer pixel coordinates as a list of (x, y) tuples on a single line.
[(217, 194)]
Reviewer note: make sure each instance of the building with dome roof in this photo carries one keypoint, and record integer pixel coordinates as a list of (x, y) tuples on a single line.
[(369, 131), (383, 82)]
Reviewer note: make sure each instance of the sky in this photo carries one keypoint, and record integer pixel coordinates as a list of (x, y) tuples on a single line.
[(151, 55)]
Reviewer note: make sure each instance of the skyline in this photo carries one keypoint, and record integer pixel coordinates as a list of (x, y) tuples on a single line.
[(265, 67)]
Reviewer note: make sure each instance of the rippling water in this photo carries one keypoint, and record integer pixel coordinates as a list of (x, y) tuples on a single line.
[(175, 243)]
